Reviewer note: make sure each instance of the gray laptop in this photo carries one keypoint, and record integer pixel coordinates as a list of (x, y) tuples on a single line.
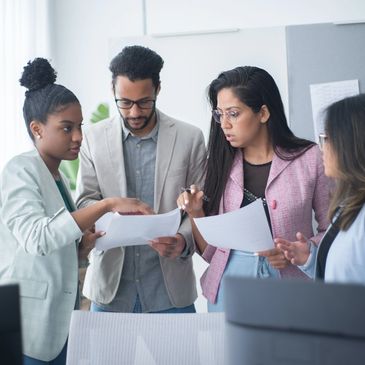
[(10, 326), (289, 322)]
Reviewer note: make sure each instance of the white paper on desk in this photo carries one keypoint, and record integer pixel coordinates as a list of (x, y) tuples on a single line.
[(245, 229), (323, 95), (133, 230)]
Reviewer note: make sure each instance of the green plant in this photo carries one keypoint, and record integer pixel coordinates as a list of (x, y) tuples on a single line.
[(70, 168)]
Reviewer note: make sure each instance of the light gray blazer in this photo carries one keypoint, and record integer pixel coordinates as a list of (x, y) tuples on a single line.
[(39, 251), (345, 261), (180, 161)]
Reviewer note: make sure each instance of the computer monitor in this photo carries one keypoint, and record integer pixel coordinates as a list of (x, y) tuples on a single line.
[(289, 322), (10, 328)]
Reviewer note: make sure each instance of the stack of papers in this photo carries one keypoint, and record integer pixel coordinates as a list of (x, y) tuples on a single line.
[(133, 230)]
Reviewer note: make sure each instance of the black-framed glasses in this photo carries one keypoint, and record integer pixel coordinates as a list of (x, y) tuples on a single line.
[(231, 115), (142, 104), (322, 139)]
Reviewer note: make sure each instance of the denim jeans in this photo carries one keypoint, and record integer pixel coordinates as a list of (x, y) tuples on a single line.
[(242, 264), (138, 308)]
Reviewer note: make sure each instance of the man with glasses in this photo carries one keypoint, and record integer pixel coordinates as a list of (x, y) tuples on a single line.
[(144, 154)]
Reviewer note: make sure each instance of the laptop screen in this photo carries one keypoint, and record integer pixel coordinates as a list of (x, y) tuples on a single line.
[(10, 326)]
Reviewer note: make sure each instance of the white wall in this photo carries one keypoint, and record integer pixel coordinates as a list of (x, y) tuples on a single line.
[(83, 31)]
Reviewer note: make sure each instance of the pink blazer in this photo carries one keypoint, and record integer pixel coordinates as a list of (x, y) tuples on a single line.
[(294, 189)]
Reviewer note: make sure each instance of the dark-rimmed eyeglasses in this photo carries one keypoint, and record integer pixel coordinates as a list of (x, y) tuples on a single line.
[(322, 139), (231, 115), (142, 104)]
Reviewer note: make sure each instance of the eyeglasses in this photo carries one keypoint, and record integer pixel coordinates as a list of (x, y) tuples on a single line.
[(231, 115), (322, 139), (128, 104)]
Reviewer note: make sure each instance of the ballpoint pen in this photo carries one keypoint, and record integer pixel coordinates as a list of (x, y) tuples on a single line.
[(188, 190)]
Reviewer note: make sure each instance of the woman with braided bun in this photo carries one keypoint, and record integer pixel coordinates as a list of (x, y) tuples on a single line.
[(42, 233)]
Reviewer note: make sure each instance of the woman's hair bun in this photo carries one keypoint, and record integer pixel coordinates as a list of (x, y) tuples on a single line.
[(37, 74)]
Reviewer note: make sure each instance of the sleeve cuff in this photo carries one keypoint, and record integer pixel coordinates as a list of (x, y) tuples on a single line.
[(308, 267), (186, 251)]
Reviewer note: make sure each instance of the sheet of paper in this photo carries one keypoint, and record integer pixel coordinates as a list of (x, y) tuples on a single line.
[(133, 230), (148, 339), (245, 229), (323, 95)]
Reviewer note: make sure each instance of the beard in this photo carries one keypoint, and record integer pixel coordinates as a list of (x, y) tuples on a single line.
[(146, 121)]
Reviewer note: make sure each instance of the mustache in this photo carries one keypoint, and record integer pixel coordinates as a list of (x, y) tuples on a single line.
[(135, 119)]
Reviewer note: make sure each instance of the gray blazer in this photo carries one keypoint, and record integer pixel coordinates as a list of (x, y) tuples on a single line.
[(39, 251), (180, 161)]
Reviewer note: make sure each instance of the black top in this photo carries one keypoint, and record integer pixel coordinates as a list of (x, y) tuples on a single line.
[(255, 181), (325, 246)]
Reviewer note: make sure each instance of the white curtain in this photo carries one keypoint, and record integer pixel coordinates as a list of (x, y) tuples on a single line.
[(24, 35)]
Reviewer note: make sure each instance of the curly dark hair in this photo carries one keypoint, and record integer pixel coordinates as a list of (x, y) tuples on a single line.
[(43, 96), (137, 63)]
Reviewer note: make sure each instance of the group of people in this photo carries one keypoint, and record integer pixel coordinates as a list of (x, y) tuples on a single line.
[(137, 162)]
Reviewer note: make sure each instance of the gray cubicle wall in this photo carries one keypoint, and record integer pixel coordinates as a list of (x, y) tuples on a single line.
[(321, 53)]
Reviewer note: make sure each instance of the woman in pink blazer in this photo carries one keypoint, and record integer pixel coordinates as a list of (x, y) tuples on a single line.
[(253, 154)]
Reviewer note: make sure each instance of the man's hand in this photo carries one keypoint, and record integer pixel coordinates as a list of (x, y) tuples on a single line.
[(171, 247)]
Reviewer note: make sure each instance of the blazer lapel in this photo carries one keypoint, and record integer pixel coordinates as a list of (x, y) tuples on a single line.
[(114, 146), (277, 166), (233, 192), (165, 146)]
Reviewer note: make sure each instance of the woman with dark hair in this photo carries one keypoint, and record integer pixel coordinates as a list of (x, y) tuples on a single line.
[(45, 234), (340, 256), (253, 154)]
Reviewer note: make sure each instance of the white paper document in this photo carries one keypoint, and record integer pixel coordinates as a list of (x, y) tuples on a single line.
[(323, 95), (133, 230), (245, 229), (148, 339)]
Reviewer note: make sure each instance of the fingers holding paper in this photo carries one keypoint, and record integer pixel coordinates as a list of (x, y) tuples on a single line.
[(87, 242), (170, 247), (129, 205)]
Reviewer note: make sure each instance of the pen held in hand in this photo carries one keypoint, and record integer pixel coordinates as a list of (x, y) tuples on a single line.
[(188, 190)]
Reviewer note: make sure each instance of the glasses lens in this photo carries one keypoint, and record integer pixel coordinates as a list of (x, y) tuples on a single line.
[(217, 116), (124, 104), (145, 104)]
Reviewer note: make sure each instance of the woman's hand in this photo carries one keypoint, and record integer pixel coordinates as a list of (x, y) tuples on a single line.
[(296, 252), (191, 201), (128, 206), (275, 257), (87, 242)]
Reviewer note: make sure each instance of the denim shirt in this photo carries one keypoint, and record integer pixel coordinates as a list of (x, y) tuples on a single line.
[(141, 274)]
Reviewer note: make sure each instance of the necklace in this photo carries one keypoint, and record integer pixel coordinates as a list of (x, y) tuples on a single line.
[(251, 197)]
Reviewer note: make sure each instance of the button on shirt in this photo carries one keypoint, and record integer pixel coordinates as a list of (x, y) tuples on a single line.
[(141, 274)]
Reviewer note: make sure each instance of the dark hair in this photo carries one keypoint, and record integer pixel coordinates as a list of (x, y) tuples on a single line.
[(137, 63), (345, 129), (254, 87), (43, 97)]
